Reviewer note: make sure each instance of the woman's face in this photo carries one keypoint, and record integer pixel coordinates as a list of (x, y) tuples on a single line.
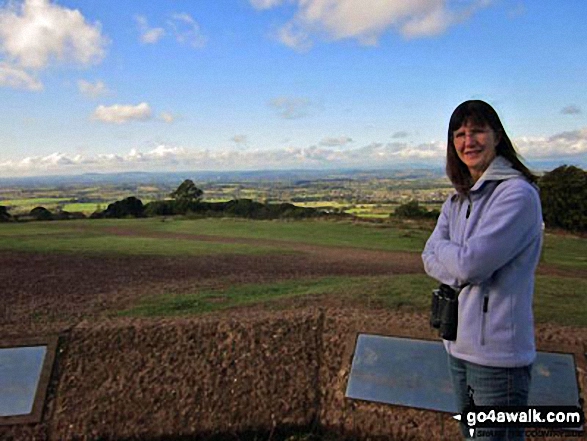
[(475, 146)]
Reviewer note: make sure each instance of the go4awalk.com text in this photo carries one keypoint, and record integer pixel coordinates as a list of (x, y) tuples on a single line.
[(480, 419)]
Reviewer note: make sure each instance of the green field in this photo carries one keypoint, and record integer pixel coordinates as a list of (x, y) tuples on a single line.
[(92, 236), (327, 233), (558, 299), (88, 236), (349, 234), (24, 206), (566, 251), (33, 202), (85, 207), (405, 291)]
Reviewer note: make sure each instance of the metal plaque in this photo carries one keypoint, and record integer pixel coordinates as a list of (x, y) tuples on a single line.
[(415, 373), (25, 373), (20, 370)]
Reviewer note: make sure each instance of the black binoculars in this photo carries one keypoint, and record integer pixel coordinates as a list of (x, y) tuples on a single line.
[(444, 311)]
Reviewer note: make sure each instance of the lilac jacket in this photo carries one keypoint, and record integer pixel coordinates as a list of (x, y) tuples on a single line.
[(492, 240)]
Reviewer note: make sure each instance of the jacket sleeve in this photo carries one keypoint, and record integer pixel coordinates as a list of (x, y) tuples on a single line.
[(432, 265), (511, 223)]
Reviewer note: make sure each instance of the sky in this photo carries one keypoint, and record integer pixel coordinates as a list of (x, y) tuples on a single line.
[(191, 85)]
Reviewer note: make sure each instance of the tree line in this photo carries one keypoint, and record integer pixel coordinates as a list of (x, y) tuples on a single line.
[(563, 192), (185, 200)]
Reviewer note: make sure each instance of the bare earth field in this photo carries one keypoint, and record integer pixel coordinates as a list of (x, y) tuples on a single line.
[(54, 293), (44, 292)]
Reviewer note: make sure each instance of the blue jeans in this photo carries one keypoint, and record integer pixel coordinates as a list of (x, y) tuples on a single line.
[(492, 386)]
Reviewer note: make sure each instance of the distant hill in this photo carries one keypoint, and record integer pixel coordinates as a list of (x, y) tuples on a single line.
[(405, 171), (172, 178)]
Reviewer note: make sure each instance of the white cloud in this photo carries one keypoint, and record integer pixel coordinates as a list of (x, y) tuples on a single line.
[(398, 151), (295, 37), (366, 22), (167, 117), (118, 113), (152, 36), (240, 139), (572, 145), (181, 25), (572, 136), (265, 4), (433, 21), (571, 110), (92, 90), (161, 153), (336, 142), (400, 134), (41, 164), (187, 30), (18, 78), (34, 32), (171, 157), (291, 108), (148, 35), (562, 144)]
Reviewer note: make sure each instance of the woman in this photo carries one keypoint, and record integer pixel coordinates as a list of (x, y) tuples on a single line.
[(488, 240)]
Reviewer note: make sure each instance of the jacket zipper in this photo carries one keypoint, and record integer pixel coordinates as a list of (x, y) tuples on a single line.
[(483, 318), (467, 214)]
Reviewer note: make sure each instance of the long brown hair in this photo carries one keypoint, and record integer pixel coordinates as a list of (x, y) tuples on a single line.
[(480, 113)]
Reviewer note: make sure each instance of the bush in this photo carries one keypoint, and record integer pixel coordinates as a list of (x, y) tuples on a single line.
[(41, 213), (129, 207), (4, 214), (563, 192), (413, 210), (246, 208), (159, 208)]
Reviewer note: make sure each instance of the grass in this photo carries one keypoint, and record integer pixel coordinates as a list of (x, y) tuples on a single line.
[(105, 244), (404, 291), (408, 291), (69, 237), (240, 295), (24, 206), (563, 251), (566, 251), (85, 207), (328, 233), (561, 300), (33, 201), (30, 229)]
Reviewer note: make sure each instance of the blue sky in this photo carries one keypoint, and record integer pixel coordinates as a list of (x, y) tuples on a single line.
[(101, 86)]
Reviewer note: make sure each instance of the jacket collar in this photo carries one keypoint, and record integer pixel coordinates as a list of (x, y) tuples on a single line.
[(500, 169)]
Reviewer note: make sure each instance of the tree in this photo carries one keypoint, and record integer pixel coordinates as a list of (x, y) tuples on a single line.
[(159, 208), (129, 207), (41, 213), (187, 192), (563, 192), (4, 214), (413, 210)]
